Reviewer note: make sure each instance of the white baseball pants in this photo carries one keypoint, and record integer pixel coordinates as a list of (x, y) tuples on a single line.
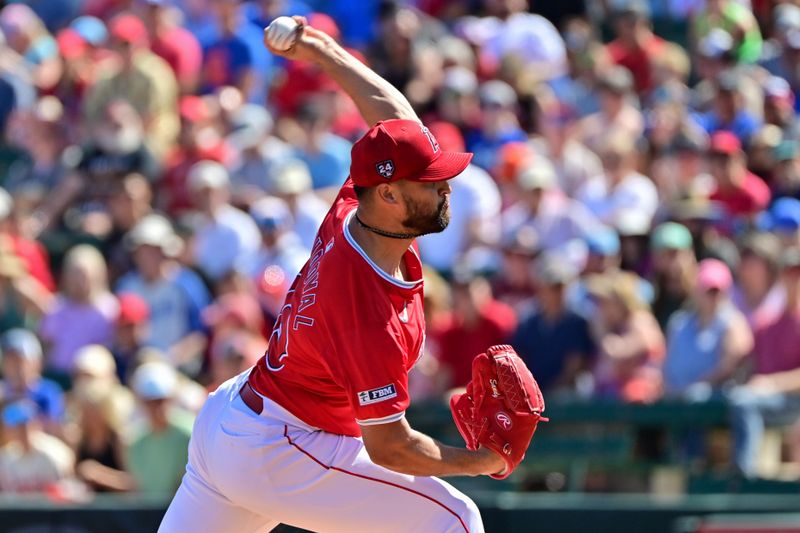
[(247, 473)]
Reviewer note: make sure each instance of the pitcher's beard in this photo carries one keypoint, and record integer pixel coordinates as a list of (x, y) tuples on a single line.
[(424, 222)]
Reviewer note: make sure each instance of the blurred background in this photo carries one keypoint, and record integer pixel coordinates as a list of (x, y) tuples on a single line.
[(630, 223)]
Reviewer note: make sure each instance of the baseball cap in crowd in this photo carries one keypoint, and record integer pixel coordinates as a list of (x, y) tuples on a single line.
[(460, 80), (603, 242), (763, 245), (786, 150), (194, 108), (94, 360), (22, 343), (207, 175), (18, 413), (154, 380), (552, 269), (671, 236), (129, 28), (291, 176), (133, 309), (398, 149), (713, 274), (271, 213), (786, 16), (155, 230), (538, 174), (785, 215), (250, 124), (637, 8), (632, 223), (790, 258), (718, 43), (91, 29), (777, 88), (793, 39), (729, 81), (70, 43), (497, 93), (725, 142), (617, 80)]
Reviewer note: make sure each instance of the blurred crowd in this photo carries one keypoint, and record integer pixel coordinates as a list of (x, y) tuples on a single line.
[(630, 222)]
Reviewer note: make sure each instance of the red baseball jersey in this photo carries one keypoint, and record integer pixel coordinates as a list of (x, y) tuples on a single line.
[(348, 334)]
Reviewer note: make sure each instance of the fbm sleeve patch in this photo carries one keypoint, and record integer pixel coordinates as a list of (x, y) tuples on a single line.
[(380, 394)]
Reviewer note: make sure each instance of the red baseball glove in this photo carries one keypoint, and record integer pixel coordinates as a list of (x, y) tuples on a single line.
[(501, 408)]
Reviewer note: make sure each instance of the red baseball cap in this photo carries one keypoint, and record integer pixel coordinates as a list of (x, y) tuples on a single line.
[(725, 142), (397, 149), (133, 309), (129, 28)]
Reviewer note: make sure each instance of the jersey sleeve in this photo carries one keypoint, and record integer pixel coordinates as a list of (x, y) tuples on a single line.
[(371, 367)]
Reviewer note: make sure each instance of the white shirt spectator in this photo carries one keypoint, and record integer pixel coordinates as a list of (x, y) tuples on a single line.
[(609, 203), (560, 220), (474, 215), (223, 240), (309, 211), (528, 36), (575, 166), (48, 461)]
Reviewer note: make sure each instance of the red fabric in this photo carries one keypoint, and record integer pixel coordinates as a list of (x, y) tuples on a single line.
[(458, 345), (637, 60), (347, 336), (180, 49), (750, 198), (777, 344), (35, 258)]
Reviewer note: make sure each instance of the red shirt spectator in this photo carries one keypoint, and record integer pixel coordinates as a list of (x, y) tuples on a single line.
[(182, 52), (473, 328), (740, 192), (638, 59)]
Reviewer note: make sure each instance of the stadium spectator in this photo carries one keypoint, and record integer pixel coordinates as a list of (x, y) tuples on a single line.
[(620, 188), (736, 19), (554, 341), (22, 379), (84, 311), (228, 58), (31, 461), (130, 333), (224, 236), (757, 293), (157, 455), (477, 322), (629, 341), (741, 193), (292, 183), (674, 269), (707, 342), (174, 44), (556, 218), (101, 413), (280, 245), (772, 394), (326, 154), (636, 46), (729, 112), (175, 295), (143, 79), (499, 124), (27, 36)]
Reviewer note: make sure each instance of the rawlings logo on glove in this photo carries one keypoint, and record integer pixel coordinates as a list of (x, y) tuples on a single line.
[(501, 407)]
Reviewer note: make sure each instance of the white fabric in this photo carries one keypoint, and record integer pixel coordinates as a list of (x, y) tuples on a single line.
[(559, 220), (474, 200), (609, 203), (49, 461), (223, 241), (249, 472), (308, 216), (529, 36)]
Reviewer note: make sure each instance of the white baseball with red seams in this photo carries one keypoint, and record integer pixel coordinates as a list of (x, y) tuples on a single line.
[(281, 33)]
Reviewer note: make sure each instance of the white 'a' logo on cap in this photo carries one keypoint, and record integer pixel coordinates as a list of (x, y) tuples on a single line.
[(431, 139)]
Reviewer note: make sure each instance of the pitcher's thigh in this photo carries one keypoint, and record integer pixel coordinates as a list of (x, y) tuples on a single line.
[(200, 509)]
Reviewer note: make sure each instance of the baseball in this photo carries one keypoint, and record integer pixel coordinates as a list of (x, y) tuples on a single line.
[(281, 33)]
